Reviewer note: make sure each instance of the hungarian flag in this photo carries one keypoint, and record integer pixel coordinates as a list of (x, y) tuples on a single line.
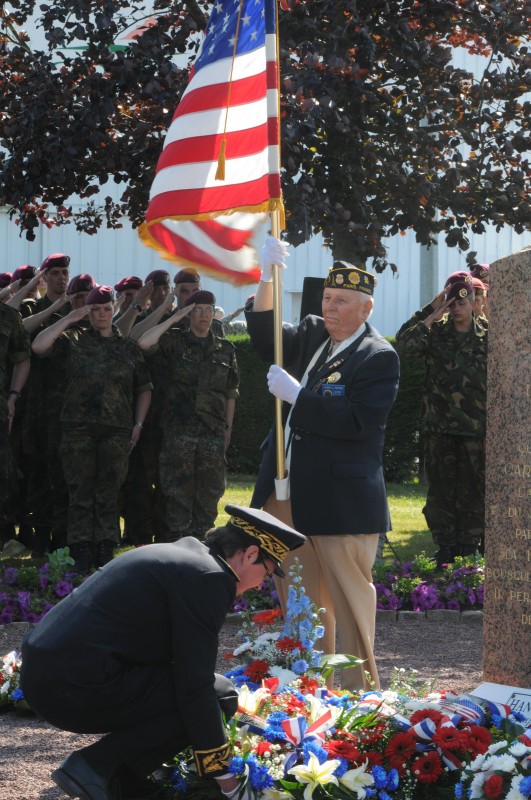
[(219, 172)]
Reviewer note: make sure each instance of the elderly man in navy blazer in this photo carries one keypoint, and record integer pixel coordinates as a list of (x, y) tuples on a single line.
[(340, 381)]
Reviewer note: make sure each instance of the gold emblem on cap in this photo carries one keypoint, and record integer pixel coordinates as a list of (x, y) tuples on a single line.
[(463, 293), (354, 278), (334, 377), (268, 541), (339, 279)]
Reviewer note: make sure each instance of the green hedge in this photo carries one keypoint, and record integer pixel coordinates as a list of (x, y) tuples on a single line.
[(255, 411)]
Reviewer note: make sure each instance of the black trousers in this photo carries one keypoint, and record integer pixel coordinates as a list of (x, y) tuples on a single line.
[(138, 712)]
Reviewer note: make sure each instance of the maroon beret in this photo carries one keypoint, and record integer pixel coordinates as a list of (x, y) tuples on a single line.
[(159, 277), (479, 284), (458, 286), (5, 279), (100, 295), (81, 283), (189, 275), (24, 273), (480, 271), (200, 297), (131, 282), (55, 260)]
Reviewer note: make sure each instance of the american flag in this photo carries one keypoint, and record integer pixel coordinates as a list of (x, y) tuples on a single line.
[(232, 98)]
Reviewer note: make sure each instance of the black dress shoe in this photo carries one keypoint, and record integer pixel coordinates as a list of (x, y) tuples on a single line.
[(77, 779)]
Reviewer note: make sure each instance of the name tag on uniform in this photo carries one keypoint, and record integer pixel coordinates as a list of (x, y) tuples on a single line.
[(333, 390)]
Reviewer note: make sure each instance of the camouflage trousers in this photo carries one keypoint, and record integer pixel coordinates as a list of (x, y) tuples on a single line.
[(95, 465), (455, 503), (192, 478)]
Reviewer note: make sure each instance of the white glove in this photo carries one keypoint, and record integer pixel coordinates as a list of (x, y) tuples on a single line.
[(273, 252), (282, 385)]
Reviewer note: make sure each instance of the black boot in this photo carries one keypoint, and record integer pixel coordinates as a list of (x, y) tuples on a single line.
[(104, 552), (81, 552)]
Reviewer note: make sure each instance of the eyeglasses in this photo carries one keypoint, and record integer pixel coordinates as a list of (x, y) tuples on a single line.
[(205, 312), (268, 572)]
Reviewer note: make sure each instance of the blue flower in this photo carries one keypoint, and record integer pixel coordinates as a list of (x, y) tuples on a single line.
[(525, 786), (237, 765), (316, 749), (300, 666), (259, 777), (392, 780), (380, 777), (384, 796), (341, 768), (458, 790), (17, 694)]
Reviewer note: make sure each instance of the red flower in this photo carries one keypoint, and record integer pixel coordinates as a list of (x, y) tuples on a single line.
[(493, 787), (427, 768), (266, 617), (262, 747), (295, 706), (374, 758), (448, 738), (308, 685), (479, 739), (338, 749), (257, 670), (287, 644), (399, 749), (426, 713)]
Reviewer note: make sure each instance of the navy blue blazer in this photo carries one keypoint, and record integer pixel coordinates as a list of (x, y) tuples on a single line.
[(336, 474)]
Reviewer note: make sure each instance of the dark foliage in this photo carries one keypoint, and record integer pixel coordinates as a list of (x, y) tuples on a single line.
[(380, 132)]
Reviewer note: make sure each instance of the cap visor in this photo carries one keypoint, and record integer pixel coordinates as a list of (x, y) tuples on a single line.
[(279, 571)]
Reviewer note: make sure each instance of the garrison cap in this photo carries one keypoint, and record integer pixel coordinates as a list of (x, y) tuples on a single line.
[(188, 275), (458, 286), (201, 297), (55, 260), (480, 271), (100, 295), (131, 282), (81, 283), (159, 277), (274, 538), (5, 279), (24, 273), (343, 275)]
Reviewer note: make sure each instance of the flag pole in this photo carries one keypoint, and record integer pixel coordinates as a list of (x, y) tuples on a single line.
[(277, 322)]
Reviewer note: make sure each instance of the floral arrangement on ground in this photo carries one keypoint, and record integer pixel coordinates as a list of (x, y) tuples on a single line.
[(293, 737)]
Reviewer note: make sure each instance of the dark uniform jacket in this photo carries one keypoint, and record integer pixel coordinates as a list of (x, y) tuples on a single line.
[(163, 604), (338, 423)]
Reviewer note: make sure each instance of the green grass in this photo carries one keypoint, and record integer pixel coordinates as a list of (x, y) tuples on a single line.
[(409, 536)]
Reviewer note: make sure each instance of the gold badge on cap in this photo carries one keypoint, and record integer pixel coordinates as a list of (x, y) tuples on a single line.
[(339, 279), (334, 377), (463, 293), (354, 278)]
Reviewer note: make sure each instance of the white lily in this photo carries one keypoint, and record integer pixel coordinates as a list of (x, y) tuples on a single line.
[(251, 701), (315, 774), (356, 780), (276, 794)]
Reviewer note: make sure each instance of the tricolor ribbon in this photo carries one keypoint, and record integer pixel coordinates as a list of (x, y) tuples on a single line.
[(298, 731)]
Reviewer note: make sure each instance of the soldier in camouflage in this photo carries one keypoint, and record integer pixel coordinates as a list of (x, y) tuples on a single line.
[(195, 412), (14, 350), (453, 343), (106, 401)]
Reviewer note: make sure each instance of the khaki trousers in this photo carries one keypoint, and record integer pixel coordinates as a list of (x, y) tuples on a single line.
[(337, 576)]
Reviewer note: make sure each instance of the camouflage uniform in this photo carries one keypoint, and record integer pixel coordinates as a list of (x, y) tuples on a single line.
[(14, 348), (453, 413), (201, 374), (104, 376), (39, 500)]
